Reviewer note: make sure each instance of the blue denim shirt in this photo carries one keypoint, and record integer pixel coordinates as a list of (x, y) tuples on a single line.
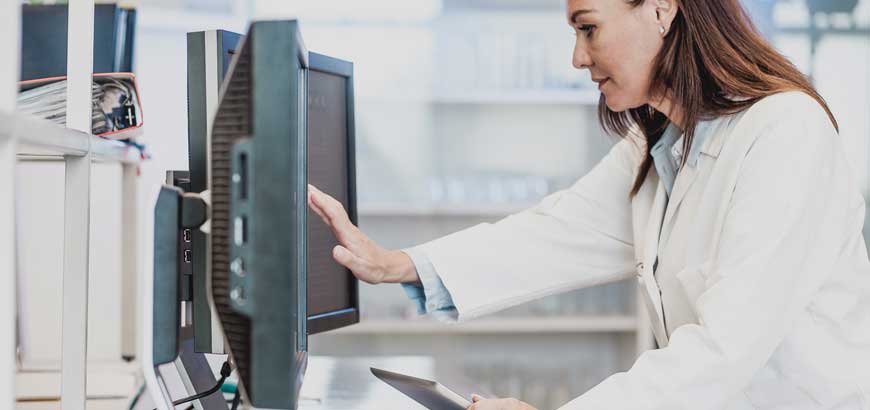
[(433, 298), (430, 295), (667, 153)]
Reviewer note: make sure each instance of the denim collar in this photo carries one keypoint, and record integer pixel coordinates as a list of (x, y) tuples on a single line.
[(667, 153)]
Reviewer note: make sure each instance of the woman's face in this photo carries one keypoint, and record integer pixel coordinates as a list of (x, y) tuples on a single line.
[(617, 43)]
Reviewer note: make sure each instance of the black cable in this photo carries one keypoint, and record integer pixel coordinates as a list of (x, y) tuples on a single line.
[(236, 399), (136, 398), (225, 372)]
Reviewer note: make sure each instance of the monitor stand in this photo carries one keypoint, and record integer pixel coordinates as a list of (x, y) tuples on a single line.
[(197, 374), (169, 341)]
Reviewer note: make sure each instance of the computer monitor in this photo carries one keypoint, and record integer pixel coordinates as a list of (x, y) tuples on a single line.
[(258, 213), (333, 295), (284, 119), (208, 59), (332, 290)]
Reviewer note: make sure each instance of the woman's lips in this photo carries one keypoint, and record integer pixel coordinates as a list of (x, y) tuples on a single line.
[(602, 82)]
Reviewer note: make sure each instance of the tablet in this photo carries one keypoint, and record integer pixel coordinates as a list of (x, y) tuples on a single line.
[(431, 394)]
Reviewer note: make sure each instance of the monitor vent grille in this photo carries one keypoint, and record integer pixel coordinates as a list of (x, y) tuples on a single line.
[(232, 122)]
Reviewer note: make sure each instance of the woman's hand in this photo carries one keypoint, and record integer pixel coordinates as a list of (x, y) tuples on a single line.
[(479, 403), (369, 262)]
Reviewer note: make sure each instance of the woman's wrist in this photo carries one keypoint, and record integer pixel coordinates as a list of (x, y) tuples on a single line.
[(399, 268)]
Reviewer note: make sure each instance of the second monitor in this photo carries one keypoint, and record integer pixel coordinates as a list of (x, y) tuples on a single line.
[(333, 298)]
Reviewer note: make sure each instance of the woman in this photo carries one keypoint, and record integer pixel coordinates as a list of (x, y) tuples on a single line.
[(729, 197)]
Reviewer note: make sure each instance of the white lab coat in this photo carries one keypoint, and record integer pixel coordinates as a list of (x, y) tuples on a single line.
[(775, 267)]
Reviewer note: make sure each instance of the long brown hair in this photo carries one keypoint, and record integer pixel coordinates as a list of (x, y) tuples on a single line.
[(712, 54)]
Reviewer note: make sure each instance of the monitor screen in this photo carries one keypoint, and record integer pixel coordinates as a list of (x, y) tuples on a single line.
[(332, 289)]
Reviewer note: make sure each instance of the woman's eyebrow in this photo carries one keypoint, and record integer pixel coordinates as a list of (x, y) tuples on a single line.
[(578, 13)]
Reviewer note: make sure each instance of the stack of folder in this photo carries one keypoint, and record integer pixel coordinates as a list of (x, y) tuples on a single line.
[(49, 101), (116, 111)]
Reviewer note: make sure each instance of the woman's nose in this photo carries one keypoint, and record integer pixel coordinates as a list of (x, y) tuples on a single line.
[(581, 57)]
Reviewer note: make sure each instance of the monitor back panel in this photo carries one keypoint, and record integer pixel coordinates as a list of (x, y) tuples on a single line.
[(259, 209)]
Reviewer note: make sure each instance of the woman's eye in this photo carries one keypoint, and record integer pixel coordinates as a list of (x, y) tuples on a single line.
[(586, 28)]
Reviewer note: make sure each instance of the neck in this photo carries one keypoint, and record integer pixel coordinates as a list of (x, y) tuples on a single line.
[(666, 106)]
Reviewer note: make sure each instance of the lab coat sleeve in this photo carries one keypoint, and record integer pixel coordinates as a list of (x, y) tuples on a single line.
[(575, 238), (783, 230)]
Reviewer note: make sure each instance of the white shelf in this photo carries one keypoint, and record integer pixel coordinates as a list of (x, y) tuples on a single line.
[(581, 97), (105, 380), (501, 5), (92, 404), (183, 20), (555, 97), (410, 210), (530, 325), (39, 139)]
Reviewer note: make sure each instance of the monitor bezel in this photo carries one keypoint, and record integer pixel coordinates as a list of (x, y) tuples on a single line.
[(329, 65)]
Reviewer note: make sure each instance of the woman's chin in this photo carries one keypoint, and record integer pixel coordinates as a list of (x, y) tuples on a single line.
[(616, 104)]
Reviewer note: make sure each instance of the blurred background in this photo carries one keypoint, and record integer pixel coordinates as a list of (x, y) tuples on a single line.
[(467, 111)]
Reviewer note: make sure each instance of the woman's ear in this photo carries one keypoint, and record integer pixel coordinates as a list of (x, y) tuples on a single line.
[(666, 11)]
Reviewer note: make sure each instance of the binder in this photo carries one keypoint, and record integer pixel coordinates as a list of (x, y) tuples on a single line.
[(44, 40), (46, 98)]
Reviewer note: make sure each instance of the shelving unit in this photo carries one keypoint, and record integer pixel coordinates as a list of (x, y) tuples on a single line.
[(553, 96), (578, 97), (44, 140), (9, 40), (26, 138), (399, 209), (505, 326), (181, 20)]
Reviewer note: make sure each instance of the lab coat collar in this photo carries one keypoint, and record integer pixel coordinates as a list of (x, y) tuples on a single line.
[(713, 139), (673, 139), (701, 143), (708, 141)]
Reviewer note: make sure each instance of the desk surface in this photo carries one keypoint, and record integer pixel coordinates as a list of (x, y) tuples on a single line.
[(333, 383)]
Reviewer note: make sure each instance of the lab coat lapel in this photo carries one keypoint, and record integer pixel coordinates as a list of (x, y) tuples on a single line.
[(651, 294), (689, 172), (685, 178)]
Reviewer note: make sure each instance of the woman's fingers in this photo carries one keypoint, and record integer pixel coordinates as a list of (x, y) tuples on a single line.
[(355, 251), (345, 257), (331, 212), (317, 209), (499, 404), (317, 202), (334, 216), (330, 209), (476, 398)]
